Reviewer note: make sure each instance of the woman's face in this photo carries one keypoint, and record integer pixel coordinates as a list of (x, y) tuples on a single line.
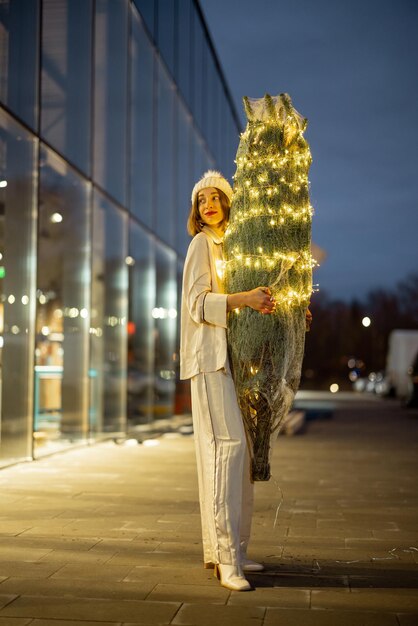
[(210, 208)]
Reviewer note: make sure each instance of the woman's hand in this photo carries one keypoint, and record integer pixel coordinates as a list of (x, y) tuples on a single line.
[(260, 299)]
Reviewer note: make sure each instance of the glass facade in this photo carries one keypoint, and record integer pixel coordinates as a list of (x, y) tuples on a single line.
[(62, 304), (65, 78), (18, 218), (110, 110)]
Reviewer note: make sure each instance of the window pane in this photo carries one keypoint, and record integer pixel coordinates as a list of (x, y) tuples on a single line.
[(19, 41), (63, 305), (184, 48), (199, 161), (18, 178), (109, 318), (147, 10), (205, 83), (141, 328), (185, 180), (165, 332), (165, 164), (198, 68), (110, 108), (166, 26), (66, 78), (142, 119)]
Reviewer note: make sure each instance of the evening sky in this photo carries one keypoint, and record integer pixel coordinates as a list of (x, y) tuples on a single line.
[(350, 67)]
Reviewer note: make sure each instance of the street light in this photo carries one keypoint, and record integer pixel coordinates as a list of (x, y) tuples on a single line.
[(366, 321)]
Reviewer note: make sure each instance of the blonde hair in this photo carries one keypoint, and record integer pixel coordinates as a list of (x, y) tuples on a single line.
[(194, 221)]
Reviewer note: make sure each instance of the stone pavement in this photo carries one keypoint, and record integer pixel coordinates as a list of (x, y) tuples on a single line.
[(111, 534)]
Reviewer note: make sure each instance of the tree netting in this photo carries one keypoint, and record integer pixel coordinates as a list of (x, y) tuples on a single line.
[(268, 243)]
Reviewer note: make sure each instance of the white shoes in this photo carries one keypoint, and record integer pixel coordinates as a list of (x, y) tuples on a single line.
[(231, 577)]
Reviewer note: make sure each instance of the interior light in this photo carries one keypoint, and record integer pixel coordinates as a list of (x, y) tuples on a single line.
[(56, 218)]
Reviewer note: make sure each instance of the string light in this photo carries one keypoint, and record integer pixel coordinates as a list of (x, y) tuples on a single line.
[(274, 187)]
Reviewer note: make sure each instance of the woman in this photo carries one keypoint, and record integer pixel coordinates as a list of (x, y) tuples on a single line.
[(225, 488)]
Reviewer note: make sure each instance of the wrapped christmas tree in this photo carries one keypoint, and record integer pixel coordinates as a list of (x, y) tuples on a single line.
[(268, 243)]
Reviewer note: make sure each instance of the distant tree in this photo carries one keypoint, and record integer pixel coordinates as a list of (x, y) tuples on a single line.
[(338, 335)]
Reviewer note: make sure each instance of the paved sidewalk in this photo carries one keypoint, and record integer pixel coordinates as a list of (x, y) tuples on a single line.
[(111, 534)]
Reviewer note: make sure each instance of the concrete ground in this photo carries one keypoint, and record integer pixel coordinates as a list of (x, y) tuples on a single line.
[(111, 534)]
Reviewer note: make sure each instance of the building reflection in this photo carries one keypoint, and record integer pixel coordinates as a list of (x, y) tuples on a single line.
[(109, 111)]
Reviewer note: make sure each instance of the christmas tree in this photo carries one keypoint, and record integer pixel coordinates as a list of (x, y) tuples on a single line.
[(268, 243)]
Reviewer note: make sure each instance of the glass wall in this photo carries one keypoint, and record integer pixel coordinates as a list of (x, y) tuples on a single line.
[(164, 213), (66, 78), (18, 191), (184, 50), (63, 305), (109, 311), (19, 45), (147, 9), (184, 176), (166, 32), (198, 68), (142, 123), (111, 97), (165, 315), (142, 308), (110, 110)]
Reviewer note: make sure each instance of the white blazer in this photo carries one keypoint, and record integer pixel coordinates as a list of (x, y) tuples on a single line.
[(203, 345)]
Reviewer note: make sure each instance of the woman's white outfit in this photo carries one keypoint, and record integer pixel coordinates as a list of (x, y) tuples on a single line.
[(225, 487)]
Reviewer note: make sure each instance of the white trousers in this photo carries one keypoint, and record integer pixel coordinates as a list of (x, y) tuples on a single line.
[(226, 492)]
